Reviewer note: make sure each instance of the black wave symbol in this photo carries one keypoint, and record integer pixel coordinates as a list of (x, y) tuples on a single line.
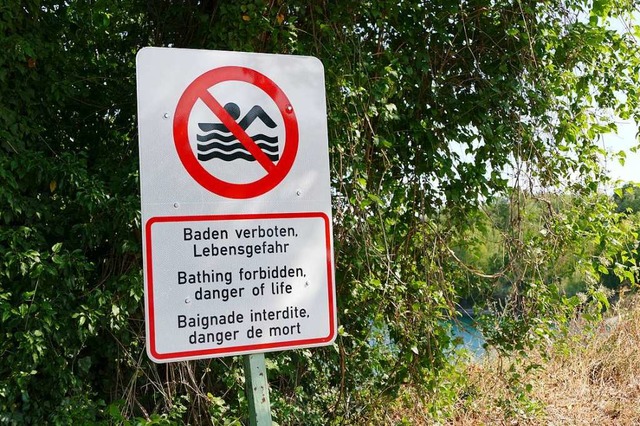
[(265, 147), (233, 151), (239, 155), (222, 138), (216, 136), (228, 152)]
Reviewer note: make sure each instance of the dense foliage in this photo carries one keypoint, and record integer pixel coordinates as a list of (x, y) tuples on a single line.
[(435, 109)]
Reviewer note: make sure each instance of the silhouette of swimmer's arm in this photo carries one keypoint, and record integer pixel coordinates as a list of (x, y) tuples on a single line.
[(256, 112)]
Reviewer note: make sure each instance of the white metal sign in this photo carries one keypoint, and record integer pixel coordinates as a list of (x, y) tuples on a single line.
[(236, 210)]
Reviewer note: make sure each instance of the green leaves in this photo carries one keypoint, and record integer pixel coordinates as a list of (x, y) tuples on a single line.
[(435, 110)]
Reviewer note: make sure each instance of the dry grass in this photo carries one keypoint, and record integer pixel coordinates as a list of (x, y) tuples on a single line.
[(593, 378)]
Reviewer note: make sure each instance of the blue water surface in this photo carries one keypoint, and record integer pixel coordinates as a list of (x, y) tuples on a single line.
[(472, 339)]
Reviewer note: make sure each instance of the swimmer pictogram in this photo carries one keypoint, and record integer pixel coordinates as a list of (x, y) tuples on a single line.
[(218, 142), (227, 139)]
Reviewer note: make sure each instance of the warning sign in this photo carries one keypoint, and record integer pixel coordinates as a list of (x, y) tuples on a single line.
[(245, 283), (236, 203), (228, 140)]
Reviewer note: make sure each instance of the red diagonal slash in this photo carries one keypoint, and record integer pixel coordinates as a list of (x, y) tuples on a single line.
[(237, 131)]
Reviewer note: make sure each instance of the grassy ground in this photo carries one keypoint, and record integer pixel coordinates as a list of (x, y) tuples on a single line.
[(593, 378)]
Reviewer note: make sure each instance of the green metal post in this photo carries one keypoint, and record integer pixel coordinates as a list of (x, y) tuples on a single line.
[(257, 390)]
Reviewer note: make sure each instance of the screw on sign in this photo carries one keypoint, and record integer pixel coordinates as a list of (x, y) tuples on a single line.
[(229, 139)]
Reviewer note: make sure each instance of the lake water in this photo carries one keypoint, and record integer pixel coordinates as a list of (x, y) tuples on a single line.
[(472, 339)]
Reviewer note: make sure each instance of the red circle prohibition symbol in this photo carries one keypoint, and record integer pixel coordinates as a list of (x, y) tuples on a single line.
[(199, 89)]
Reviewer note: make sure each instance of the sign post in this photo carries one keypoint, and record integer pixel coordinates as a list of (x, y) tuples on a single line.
[(257, 390), (236, 206)]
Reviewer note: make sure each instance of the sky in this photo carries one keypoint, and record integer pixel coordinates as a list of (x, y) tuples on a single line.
[(624, 140)]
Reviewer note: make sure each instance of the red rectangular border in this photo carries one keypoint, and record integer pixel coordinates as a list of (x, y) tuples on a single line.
[(235, 350)]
